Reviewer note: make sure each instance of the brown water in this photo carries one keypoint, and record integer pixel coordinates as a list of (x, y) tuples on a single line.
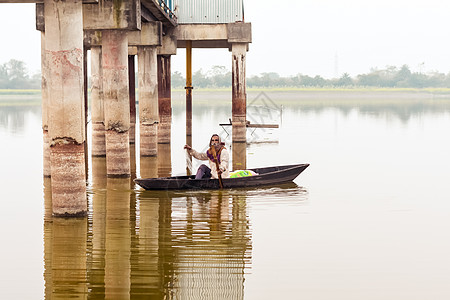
[(367, 220)]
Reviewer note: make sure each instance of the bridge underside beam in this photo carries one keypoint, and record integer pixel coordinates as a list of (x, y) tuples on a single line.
[(213, 35)]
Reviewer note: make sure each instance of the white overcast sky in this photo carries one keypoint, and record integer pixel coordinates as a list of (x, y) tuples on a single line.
[(311, 37)]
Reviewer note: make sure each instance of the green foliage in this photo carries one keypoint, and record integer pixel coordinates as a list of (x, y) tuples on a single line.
[(391, 77), (14, 75)]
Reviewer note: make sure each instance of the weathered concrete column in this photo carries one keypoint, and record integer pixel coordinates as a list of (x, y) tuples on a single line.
[(97, 115), (116, 102), (64, 59), (239, 95), (132, 84), (44, 92), (148, 100), (164, 99)]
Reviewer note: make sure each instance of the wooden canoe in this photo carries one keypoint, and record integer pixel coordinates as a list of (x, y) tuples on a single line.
[(266, 176)]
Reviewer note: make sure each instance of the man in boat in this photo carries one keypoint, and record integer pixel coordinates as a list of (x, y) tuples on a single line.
[(216, 150)]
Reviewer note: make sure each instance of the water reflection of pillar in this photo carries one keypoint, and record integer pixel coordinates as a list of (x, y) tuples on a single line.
[(166, 249), (48, 238), (239, 155), (211, 261), (68, 258), (164, 99), (164, 160), (96, 261), (145, 272), (118, 239)]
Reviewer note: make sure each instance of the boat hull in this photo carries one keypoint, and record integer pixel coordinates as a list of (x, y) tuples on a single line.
[(266, 176)]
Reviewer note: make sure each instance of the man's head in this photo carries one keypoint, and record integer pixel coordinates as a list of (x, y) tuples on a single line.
[(215, 140)]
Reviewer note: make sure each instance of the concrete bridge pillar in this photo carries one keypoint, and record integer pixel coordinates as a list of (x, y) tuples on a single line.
[(239, 95), (164, 99), (116, 102), (45, 108), (64, 62), (97, 116), (132, 84), (148, 100)]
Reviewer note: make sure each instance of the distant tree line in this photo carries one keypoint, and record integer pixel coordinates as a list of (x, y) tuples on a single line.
[(14, 75), (391, 76)]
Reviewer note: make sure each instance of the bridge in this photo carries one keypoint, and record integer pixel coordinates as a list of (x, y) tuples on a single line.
[(115, 32)]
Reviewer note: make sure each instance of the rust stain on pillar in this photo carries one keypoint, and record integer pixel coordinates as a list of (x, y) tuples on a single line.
[(116, 102), (132, 84), (164, 99)]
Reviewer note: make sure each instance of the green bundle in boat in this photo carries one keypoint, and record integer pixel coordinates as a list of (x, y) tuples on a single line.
[(242, 173)]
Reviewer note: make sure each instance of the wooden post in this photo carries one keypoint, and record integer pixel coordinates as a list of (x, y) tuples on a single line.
[(188, 88), (189, 97)]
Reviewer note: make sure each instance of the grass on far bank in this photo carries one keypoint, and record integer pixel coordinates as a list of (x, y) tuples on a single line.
[(19, 92)]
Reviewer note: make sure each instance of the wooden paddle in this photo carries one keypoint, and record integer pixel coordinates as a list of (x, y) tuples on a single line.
[(213, 151)]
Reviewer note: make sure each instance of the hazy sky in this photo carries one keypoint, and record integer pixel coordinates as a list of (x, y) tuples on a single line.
[(312, 37)]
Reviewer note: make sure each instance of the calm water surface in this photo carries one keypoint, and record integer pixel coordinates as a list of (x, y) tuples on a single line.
[(368, 219)]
